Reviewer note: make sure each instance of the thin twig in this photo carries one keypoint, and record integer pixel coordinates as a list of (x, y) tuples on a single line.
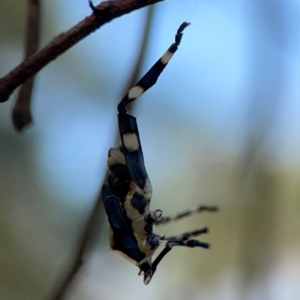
[(64, 41), (88, 235), (21, 113), (80, 251)]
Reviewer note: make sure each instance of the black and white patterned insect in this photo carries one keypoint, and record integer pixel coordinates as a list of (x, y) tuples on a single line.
[(127, 194)]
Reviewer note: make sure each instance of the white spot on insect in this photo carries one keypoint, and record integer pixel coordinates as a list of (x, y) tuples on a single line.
[(131, 142), (115, 156), (166, 57), (147, 279), (158, 213), (135, 92)]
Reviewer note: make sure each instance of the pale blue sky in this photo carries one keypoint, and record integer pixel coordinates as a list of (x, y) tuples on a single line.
[(205, 86)]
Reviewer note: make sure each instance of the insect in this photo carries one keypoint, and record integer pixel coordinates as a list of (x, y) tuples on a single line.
[(127, 194)]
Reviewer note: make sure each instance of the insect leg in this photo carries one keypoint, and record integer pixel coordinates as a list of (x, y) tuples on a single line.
[(150, 78), (127, 124), (184, 242), (132, 149), (124, 240), (188, 234), (158, 259), (170, 242), (155, 240), (189, 212), (114, 211)]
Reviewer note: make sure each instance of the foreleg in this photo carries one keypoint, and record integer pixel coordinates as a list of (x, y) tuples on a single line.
[(150, 78)]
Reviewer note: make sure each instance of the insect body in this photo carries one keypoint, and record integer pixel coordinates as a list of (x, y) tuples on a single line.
[(126, 196)]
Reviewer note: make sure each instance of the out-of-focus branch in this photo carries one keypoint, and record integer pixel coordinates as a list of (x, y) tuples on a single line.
[(79, 253), (85, 243), (107, 11), (21, 113)]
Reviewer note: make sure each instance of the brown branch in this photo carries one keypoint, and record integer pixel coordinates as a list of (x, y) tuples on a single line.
[(78, 260), (88, 235), (107, 11), (21, 113)]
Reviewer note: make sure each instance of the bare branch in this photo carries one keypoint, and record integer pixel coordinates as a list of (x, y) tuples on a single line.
[(106, 11), (21, 113)]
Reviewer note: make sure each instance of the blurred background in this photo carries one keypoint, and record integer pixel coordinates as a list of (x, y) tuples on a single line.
[(221, 126)]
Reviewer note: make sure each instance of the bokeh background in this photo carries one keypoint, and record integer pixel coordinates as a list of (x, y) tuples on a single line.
[(221, 126)]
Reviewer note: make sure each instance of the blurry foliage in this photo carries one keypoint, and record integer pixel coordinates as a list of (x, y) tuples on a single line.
[(253, 236)]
